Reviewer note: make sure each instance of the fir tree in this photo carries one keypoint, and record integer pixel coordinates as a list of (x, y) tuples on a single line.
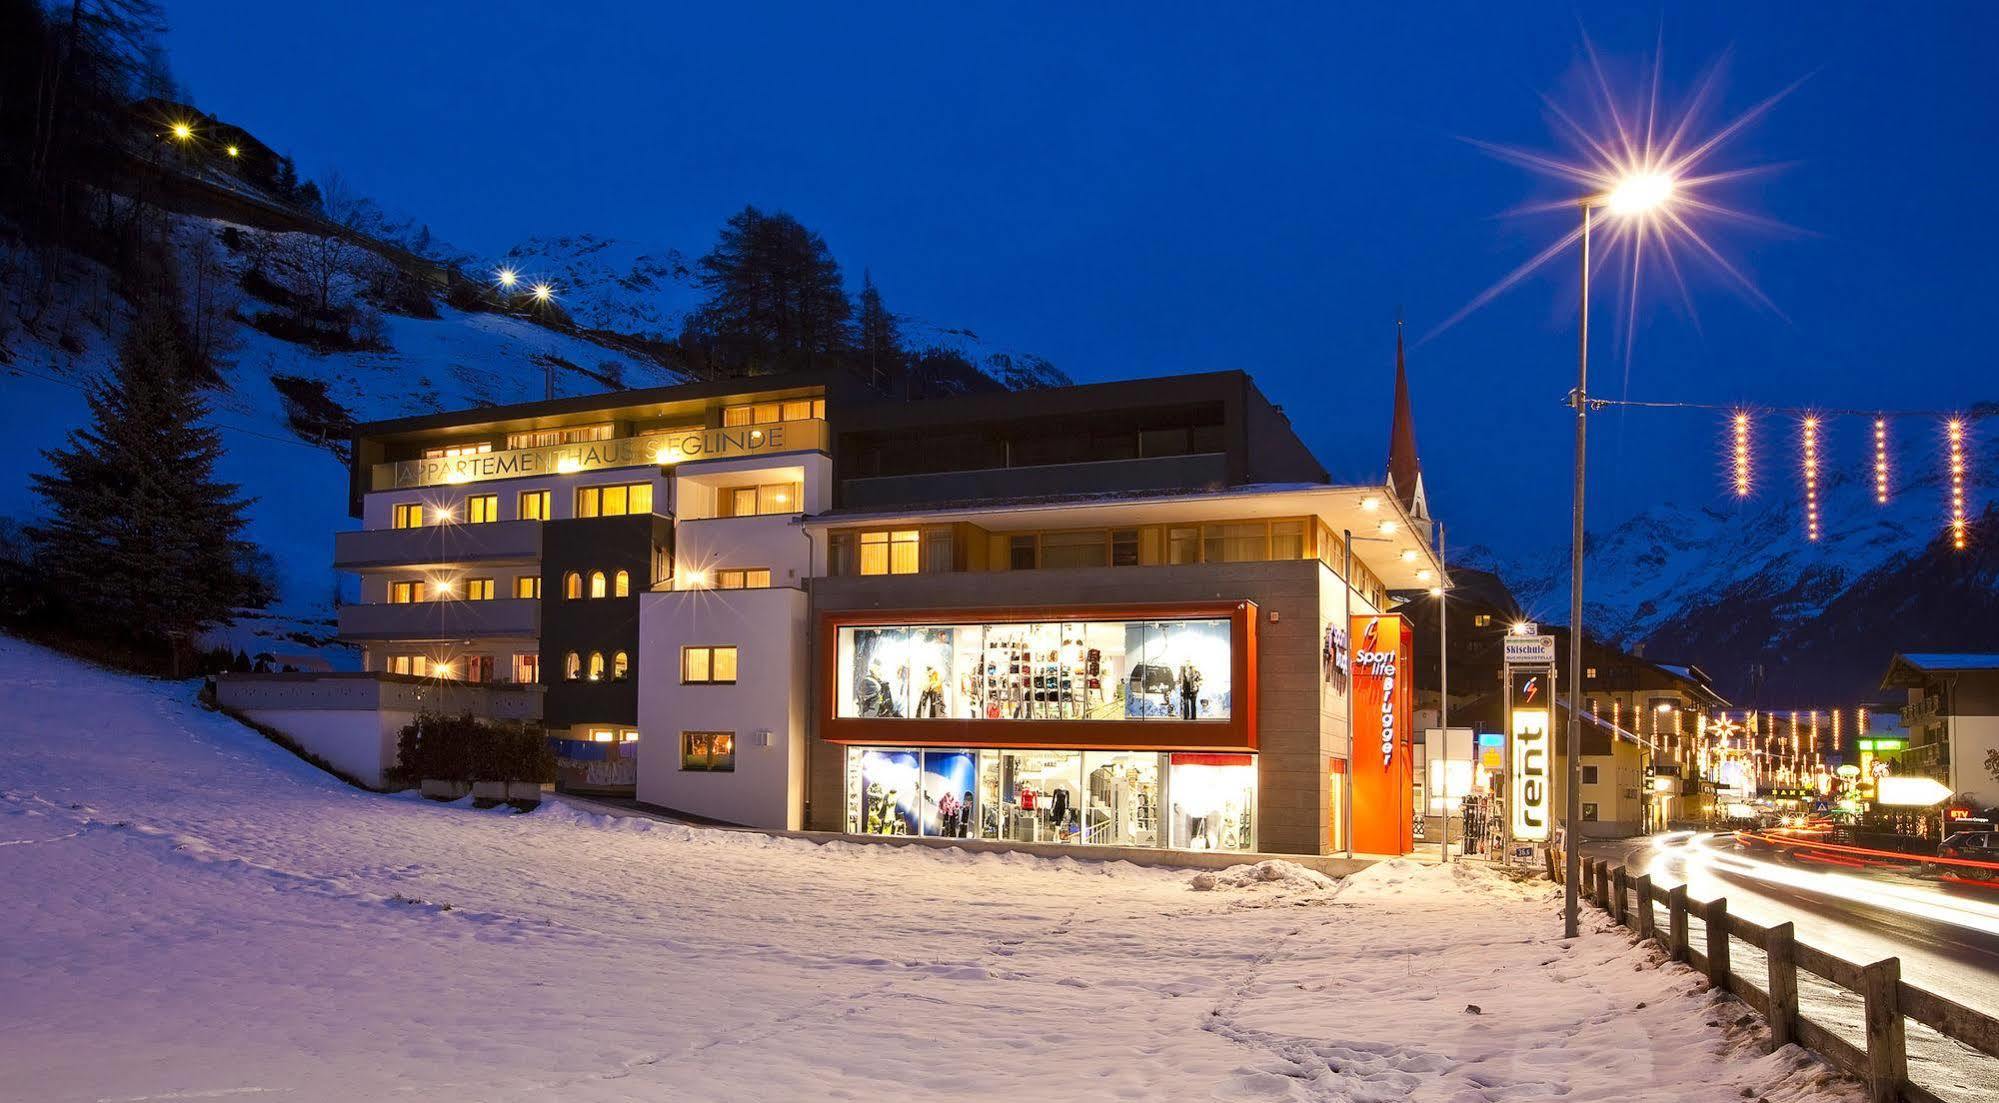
[(775, 300), (881, 356), (142, 546)]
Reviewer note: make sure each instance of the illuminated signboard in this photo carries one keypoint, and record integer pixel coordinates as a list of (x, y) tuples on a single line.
[(563, 459), (1533, 759), (1384, 770)]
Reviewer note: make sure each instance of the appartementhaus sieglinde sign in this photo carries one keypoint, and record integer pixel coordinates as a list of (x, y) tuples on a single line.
[(566, 459)]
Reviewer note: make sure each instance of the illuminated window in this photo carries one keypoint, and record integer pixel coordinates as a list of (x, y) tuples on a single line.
[(482, 508), (622, 584), (527, 667), (478, 589), (547, 438), (534, 505), (749, 578), (1240, 543), (527, 585), (1483, 620), (613, 501), (453, 451), (762, 500), (708, 666), (770, 413), (628, 735), (409, 515), (714, 752), (1075, 549), (1183, 545), (572, 666), (596, 666), (478, 668), (603, 735), (596, 583), (620, 666), (404, 593), (572, 585), (1589, 672), (1287, 540), (890, 552), (415, 665)]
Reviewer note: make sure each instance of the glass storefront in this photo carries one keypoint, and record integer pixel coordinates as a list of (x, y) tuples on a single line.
[(1054, 670), (1103, 798)]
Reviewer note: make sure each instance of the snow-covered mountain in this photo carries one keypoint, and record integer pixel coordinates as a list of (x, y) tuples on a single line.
[(1736, 586), (281, 408)]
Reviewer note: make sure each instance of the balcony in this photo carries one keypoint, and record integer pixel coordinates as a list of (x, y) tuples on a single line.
[(438, 546), (442, 620)]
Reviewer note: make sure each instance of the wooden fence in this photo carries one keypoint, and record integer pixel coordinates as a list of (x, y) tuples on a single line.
[(1888, 1000)]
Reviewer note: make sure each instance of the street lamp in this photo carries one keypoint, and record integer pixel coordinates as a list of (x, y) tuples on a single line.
[(1633, 196)]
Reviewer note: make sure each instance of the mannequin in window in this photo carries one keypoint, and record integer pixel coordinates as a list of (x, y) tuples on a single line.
[(931, 703), (1190, 689), (876, 698)]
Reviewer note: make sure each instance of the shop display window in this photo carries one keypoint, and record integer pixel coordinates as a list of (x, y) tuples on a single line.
[(1045, 670), (1031, 796), (1121, 798), (1213, 801), (1097, 798)]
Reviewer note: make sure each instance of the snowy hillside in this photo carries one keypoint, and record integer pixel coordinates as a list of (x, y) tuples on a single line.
[(454, 361), (181, 889), (648, 291)]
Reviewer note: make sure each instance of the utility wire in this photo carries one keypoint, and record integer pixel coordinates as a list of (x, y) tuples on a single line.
[(1813, 411)]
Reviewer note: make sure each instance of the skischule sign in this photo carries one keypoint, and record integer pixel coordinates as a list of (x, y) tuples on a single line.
[(567, 459)]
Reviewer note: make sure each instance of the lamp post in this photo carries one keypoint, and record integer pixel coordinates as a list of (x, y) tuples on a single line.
[(1633, 195), (1440, 590)]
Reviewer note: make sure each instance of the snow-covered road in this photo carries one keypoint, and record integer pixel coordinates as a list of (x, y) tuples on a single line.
[(190, 912)]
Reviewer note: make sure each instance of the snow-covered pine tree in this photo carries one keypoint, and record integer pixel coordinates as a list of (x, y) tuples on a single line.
[(143, 547)]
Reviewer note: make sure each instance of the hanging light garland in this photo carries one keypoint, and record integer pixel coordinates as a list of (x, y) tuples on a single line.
[(1811, 465), (1741, 454), (1955, 431), (1881, 460)]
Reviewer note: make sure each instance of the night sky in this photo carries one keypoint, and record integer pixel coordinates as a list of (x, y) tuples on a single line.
[(1152, 189)]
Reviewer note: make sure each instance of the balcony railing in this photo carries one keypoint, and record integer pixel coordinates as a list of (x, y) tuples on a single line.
[(438, 545), (441, 620)]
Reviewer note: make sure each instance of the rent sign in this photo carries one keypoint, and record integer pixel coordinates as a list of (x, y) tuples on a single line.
[(1533, 759)]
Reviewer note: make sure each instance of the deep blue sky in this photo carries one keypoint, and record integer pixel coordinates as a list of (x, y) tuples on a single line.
[(1148, 189)]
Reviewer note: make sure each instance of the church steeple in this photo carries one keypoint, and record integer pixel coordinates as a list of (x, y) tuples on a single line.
[(1405, 471)]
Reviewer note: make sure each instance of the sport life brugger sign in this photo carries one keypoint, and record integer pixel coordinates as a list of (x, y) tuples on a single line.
[(1378, 662), (1533, 779), (566, 459)]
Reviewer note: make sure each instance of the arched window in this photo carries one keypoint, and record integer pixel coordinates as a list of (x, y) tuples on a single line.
[(572, 665), (572, 585), (596, 583), (619, 664), (623, 584), (596, 666)]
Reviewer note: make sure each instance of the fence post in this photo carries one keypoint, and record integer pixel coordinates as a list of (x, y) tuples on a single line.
[(1887, 1046), (1676, 919), (1619, 886), (1781, 952), (1717, 942), (1602, 885), (1643, 884), (1588, 888)]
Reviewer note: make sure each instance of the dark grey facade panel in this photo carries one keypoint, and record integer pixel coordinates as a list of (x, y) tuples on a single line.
[(606, 625)]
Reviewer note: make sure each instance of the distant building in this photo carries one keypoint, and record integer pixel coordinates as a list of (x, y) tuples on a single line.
[(1952, 716)]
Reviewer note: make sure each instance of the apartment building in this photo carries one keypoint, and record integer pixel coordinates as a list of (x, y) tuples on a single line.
[(1125, 614)]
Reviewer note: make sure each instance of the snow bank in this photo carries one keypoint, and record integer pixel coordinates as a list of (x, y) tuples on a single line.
[(1276, 871), (194, 913)]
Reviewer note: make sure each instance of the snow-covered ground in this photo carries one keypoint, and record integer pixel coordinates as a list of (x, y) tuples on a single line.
[(192, 913)]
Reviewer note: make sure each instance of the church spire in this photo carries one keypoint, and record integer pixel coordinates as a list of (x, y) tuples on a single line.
[(1405, 471)]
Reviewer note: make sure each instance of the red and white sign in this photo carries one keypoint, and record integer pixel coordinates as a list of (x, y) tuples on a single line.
[(1383, 752)]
